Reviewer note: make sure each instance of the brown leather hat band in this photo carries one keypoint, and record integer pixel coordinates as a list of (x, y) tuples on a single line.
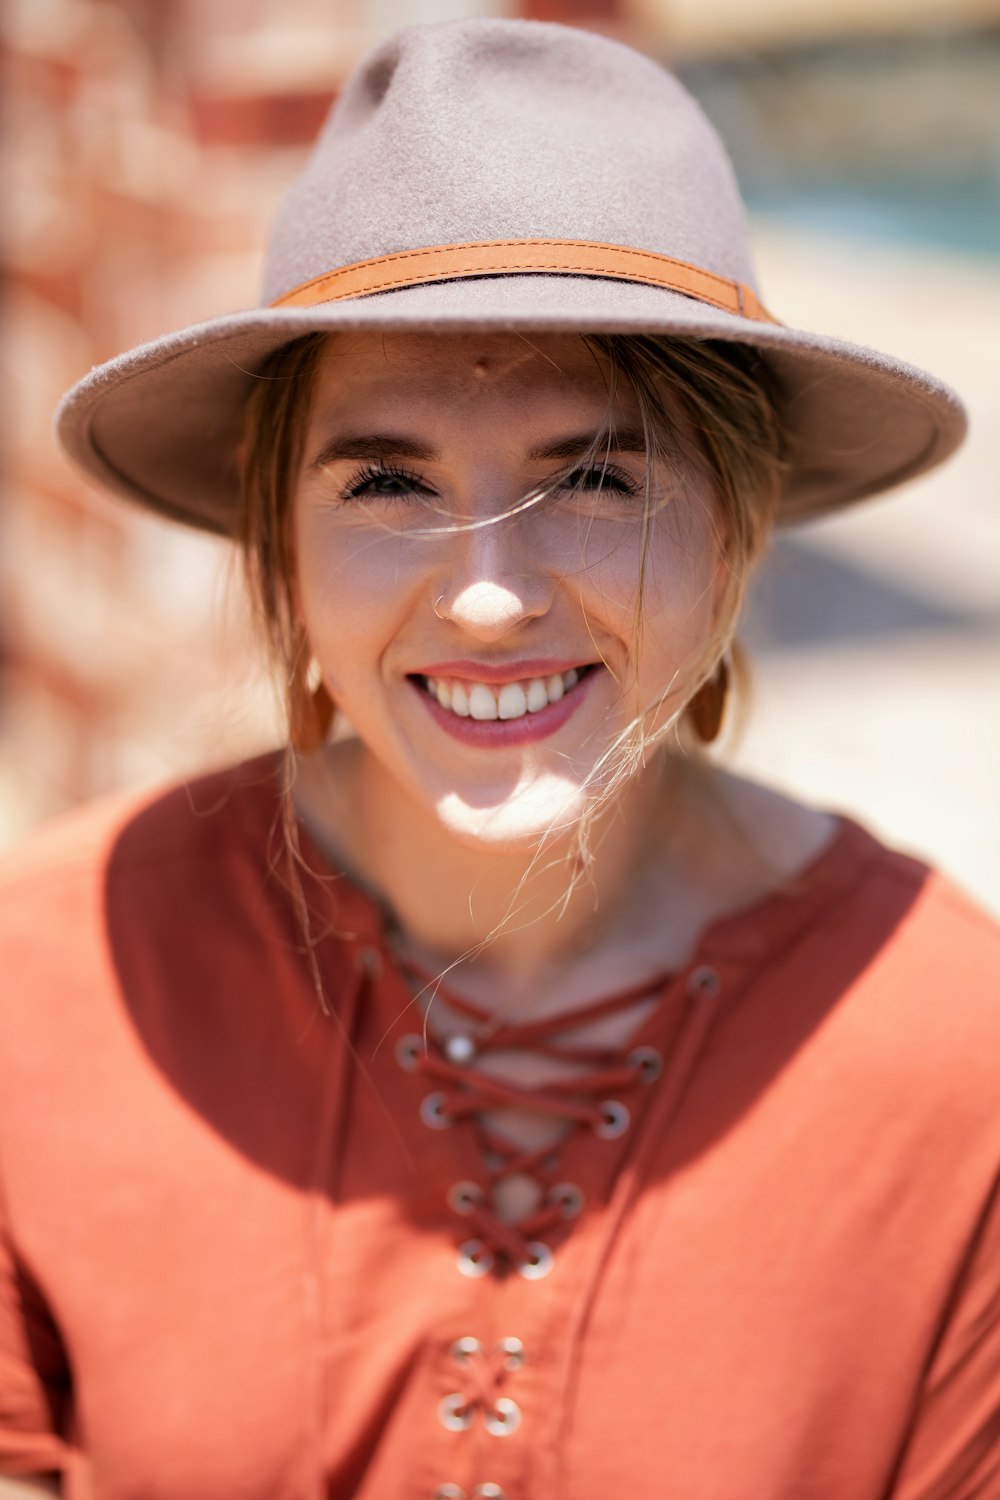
[(508, 257)]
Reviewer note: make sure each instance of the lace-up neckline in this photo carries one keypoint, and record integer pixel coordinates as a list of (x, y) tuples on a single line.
[(591, 1098)]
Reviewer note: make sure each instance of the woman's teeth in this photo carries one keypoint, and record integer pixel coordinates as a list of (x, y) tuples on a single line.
[(475, 700)]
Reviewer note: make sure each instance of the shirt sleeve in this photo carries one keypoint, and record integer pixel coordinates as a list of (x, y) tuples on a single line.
[(954, 1447), (34, 1378)]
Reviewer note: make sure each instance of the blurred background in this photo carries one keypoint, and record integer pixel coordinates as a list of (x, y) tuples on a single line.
[(144, 145)]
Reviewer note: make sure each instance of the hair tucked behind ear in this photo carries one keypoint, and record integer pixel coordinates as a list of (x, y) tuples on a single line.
[(273, 436)]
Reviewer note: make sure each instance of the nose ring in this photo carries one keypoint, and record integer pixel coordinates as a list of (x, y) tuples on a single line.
[(437, 609)]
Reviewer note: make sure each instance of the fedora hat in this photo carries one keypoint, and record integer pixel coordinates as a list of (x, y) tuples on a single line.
[(493, 175)]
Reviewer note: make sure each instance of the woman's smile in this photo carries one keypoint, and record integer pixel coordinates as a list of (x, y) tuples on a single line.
[(508, 710)]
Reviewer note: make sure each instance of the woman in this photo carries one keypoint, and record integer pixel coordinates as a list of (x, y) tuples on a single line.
[(492, 1098)]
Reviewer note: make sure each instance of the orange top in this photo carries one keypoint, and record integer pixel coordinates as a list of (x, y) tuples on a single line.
[(229, 1266)]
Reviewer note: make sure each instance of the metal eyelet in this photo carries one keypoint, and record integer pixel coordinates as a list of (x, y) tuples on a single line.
[(464, 1349), (537, 1263), (648, 1061), (513, 1353), (432, 1112), (463, 1197), (504, 1419), (454, 1412), (704, 980), (370, 960), (409, 1051), (567, 1197), (448, 1492), (614, 1121), (460, 1049), (488, 1492), (475, 1259)]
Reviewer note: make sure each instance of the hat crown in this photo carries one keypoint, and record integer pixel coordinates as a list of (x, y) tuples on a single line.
[(490, 130)]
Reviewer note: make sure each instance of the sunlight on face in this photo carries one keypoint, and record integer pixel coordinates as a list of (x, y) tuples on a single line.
[(485, 649)]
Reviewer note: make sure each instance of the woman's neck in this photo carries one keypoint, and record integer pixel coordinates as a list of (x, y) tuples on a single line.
[(666, 862)]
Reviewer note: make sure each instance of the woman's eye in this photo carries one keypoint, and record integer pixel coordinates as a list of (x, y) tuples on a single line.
[(599, 477), (382, 483)]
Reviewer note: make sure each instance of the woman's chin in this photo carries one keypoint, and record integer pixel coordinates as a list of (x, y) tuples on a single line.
[(548, 808)]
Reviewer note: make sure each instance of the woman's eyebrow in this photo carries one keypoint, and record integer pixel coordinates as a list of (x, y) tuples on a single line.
[(620, 440), (372, 446)]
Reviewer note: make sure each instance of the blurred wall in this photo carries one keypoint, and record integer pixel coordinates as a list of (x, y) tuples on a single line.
[(145, 143)]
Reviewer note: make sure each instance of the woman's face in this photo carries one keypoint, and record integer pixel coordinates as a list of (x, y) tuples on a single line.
[(489, 657)]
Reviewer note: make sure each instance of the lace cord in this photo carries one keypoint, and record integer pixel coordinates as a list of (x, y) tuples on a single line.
[(477, 1092), (466, 1093), (486, 1379)]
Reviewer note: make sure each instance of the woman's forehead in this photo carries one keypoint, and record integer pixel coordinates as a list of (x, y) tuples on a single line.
[(468, 392), (463, 366)]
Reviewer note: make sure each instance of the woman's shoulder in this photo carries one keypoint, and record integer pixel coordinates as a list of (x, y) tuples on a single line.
[(881, 977), (938, 931), (810, 848), (912, 966), (137, 840), (163, 913), (896, 927)]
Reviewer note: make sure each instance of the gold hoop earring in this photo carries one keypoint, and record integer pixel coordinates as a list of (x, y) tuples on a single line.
[(310, 709), (707, 708)]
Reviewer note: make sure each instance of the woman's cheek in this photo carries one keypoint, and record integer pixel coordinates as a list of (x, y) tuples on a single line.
[(360, 592), (345, 560), (665, 578), (600, 560)]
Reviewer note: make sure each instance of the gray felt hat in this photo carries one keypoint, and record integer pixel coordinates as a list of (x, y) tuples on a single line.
[(493, 175)]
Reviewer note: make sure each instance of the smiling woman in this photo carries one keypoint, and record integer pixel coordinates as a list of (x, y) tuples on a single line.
[(484, 1094)]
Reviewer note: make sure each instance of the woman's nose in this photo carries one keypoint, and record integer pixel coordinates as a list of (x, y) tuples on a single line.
[(492, 584)]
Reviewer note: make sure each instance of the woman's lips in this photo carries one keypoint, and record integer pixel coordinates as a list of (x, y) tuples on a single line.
[(505, 713), (500, 672)]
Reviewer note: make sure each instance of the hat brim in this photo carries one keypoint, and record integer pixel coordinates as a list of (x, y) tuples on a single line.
[(162, 423)]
